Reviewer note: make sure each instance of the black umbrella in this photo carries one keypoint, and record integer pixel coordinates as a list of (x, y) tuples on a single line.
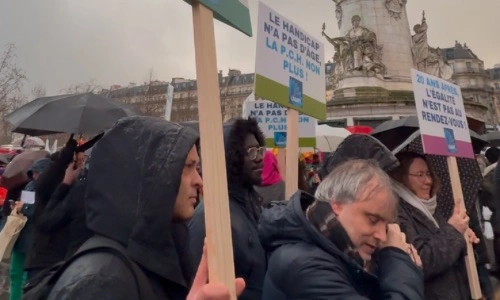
[(80, 114), (395, 132), (493, 138), (470, 175)]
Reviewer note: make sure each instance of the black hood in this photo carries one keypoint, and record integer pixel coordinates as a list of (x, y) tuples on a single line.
[(235, 133), (133, 181)]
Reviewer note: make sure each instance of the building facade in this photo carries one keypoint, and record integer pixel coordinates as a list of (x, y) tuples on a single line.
[(475, 82), (494, 74), (150, 98)]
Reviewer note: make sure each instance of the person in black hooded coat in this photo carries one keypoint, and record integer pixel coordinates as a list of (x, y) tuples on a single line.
[(243, 142), (140, 189)]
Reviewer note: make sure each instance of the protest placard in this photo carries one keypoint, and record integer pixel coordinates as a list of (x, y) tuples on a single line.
[(444, 131), (272, 120), (441, 116), (289, 68)]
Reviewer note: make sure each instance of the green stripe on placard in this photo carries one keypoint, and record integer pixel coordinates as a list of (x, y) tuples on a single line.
[(303, 142), (271, 90), (232, 12)]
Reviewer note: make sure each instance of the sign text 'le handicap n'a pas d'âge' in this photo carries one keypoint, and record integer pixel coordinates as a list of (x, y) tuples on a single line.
[(289, 68), (441, 116), (271, 118)]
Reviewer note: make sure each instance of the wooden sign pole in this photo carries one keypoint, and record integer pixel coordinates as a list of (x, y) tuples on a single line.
[(292, 153), (281, 157), (217, 218), (470, 261)]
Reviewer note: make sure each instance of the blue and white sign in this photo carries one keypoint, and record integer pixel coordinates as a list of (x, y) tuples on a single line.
[(271, 118)]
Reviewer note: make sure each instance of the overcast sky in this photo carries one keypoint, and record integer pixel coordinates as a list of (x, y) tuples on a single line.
[(64, 42)]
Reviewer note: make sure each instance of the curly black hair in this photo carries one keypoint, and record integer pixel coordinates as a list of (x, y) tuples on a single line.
[(239, 129)]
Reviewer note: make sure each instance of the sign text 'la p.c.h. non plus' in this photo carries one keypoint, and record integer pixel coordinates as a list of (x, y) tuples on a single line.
[(292, 43)]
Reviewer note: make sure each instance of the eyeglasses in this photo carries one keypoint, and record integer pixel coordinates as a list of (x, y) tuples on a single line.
[(422, 176), (253, 152)]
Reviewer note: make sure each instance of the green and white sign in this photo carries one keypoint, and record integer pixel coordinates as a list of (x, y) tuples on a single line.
[(234, 13), (289, 68), (271, 118)]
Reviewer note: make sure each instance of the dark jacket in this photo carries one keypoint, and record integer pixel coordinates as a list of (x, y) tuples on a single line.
[(66, 208), (441, 250), (304, 264), (25, 238), (49, 248), (244, 206), (133, 179)]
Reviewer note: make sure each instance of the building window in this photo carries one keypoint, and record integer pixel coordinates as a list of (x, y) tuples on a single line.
[(469, 66)]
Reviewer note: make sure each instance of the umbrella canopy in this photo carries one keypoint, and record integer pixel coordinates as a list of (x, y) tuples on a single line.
[(329, 138), (359, 146), (493, 138), (79, 114), (16, 171), (396, 132), (470, 175)]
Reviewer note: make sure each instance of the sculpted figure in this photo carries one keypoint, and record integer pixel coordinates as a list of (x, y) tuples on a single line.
[(395, 7), (428, 59)]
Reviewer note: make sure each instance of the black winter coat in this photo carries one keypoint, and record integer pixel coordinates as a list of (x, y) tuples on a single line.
[(441, 250), (66, 208), (304, 264), (49, 248)]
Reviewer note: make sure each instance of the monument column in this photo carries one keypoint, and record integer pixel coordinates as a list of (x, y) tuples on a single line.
[(388, 20)]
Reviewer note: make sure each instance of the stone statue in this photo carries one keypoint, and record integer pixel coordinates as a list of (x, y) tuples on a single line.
[(428, 59), (356, 51), (395, 7), (420, 46), (338, 14)]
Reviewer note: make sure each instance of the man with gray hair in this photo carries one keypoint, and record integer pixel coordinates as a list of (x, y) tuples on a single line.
[(340, 244)]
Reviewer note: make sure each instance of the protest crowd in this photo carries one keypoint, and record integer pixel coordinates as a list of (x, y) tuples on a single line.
[(408, 209), (121, 216)]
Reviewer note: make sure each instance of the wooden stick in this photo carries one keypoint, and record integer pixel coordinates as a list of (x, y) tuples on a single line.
[(292, 153), (281, 162), (470, 261), (217, 218)]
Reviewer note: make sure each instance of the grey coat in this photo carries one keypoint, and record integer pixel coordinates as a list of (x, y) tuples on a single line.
[(441, 250)]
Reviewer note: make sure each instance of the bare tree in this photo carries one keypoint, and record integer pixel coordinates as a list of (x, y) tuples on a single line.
[(81, 88), (12, 79), (38, 91)]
